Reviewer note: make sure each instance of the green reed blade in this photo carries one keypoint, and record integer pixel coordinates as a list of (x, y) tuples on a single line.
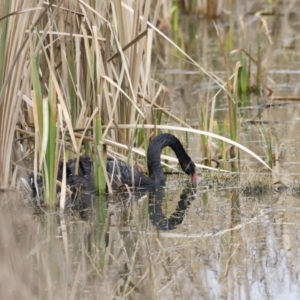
[(99, 172)]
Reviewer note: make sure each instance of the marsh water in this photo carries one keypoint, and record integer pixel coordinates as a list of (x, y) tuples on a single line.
[(237, 236)]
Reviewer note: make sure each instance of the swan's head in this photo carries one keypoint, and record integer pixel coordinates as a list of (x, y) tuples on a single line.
[(190, 169)]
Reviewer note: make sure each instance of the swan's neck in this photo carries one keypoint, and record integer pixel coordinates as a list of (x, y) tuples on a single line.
[(154, 152)]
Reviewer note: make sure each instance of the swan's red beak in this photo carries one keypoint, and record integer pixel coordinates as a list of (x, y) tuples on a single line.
[(194, 179)]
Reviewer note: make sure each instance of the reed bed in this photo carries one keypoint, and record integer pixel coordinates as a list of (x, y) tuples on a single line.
[(76, 67)]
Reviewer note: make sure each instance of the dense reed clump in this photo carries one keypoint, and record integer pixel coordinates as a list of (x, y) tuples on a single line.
[(78, 69)]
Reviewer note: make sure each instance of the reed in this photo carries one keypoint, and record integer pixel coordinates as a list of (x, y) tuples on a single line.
[(99, 165), (268, 144)]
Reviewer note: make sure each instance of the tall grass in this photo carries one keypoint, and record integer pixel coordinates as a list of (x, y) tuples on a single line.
[(74, 62), (12, 73)]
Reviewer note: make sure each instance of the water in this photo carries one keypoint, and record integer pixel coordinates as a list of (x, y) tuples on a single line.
[(227, 245)]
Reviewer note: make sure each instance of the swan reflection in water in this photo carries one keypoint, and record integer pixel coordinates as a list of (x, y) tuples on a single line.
[(155, 208), (84, 202)]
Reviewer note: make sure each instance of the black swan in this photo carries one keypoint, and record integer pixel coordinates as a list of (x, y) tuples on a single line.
[(120, 173)]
